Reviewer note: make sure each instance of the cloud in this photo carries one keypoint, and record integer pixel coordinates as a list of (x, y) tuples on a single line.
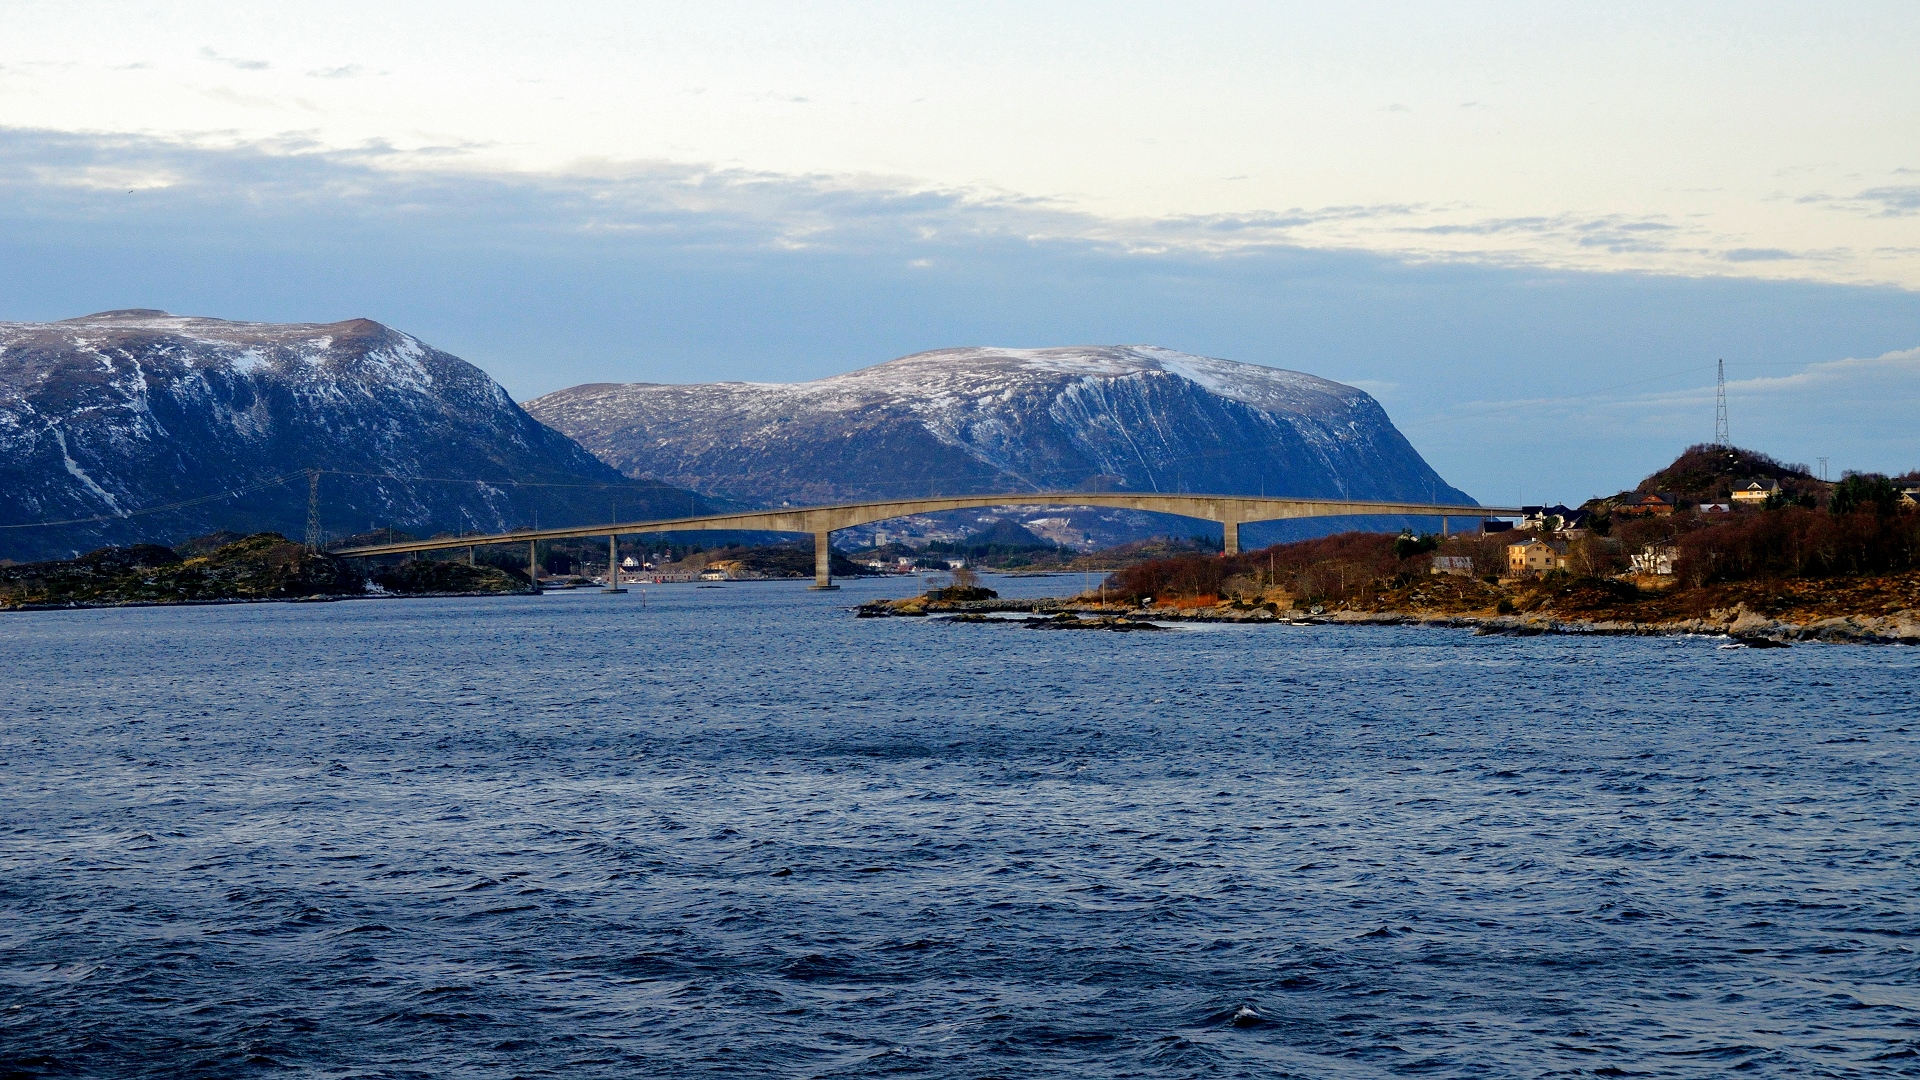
[(1892, 201), (1757, 255), (229, 96), (235, 61), (1900, 365), (106, 177), (1614, 232), (348, 71), (662, 271)]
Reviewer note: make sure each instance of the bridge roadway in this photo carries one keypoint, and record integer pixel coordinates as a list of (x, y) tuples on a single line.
[(1231, 511)]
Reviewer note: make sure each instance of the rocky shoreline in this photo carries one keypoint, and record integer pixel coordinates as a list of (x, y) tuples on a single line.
[(1739, 623)]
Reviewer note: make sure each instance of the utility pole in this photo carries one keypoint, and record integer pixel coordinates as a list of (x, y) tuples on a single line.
[(313, 510), (1720, 408)]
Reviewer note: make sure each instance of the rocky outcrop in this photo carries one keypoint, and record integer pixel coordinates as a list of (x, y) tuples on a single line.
[(1739, 624), (104, 418), (1900, 627)]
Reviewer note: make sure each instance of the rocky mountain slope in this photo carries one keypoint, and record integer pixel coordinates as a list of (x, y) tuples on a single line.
[(108, 416), (961, 421)]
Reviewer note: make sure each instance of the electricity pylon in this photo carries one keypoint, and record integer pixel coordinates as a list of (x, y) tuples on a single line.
[(313, 510), (1720, 409)]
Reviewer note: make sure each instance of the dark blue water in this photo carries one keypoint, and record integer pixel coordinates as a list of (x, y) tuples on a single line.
[(737, 832)]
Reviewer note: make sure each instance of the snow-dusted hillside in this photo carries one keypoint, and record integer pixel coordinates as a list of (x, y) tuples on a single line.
[(1135, 418), (125, 410)]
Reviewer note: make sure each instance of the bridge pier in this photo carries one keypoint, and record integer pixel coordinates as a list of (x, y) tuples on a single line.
[(533, 566), (1231, 541), (613, 565), (822, 561)]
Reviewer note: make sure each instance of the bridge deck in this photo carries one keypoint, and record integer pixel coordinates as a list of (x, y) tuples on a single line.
[(1231, 511)]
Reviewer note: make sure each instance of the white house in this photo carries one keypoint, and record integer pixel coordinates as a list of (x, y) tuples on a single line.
[(1656, 559)]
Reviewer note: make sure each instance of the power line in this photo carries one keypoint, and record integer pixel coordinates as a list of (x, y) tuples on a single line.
[(181, 505), (622, 485), (313, 480), (1479, 408)]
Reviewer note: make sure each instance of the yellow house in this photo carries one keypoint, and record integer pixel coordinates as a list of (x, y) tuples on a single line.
[(1755, 491), (1535, 556)]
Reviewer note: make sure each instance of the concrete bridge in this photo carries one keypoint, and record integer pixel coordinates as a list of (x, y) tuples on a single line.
[(1231, 511)]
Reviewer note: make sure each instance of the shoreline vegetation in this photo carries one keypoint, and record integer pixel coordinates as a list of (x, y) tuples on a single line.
[(226, 568)]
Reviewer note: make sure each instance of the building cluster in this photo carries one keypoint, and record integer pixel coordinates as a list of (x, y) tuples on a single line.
[(1543, 539), (907, 564)]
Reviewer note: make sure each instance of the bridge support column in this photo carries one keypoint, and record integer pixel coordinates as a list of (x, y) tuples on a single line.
[(613, 564), (533, 565), (822, 560), (1232, 544)]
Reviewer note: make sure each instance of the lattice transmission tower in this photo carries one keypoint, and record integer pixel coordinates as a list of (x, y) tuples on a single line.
[(1720, 408), (313, 509)]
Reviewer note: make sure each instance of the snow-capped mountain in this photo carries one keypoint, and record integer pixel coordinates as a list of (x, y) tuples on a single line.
[(963, 421), (110, 415)]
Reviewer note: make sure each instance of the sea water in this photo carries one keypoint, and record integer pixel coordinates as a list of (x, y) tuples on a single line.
[(739, 832)]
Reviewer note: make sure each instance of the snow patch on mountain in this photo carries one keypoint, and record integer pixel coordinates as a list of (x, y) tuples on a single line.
[(973, 420)]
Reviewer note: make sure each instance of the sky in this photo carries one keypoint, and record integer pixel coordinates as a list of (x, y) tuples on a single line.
[(1529, 229)]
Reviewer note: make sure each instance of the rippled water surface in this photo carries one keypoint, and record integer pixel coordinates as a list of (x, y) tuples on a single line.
[(737, 832)]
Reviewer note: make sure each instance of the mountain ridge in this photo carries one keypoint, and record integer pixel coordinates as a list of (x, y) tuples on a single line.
[(109, 414), (983, 420)]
